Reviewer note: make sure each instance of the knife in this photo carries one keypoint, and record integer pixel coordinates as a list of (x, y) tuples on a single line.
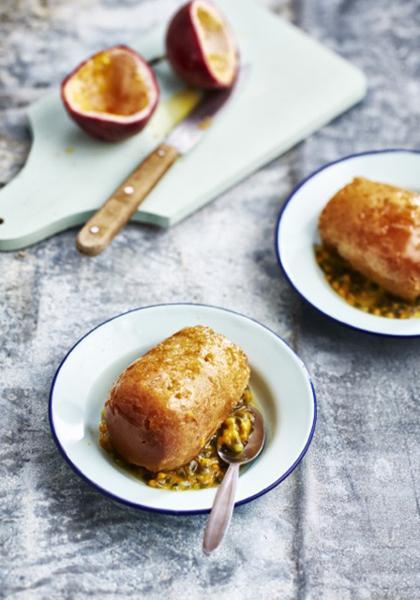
[(108, 221)]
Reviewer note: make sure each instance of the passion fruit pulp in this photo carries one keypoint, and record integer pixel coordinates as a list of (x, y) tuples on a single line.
[(200, 46), (112, 94)]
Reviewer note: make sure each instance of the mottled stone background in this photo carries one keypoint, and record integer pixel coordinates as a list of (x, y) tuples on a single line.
[(345, 525)]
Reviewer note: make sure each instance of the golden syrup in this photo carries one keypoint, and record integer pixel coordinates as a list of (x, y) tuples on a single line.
[(205, 123), (360, 292)]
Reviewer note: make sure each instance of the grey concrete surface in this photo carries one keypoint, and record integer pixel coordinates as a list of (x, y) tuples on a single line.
[(345, 524)]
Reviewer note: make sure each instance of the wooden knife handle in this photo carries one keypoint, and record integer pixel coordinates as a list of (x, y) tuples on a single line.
[(105, 224)]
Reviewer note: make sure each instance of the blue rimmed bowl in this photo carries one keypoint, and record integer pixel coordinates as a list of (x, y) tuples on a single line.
[(279, 381), (297, 232)]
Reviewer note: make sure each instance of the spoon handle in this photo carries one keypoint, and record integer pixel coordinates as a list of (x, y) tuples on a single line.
[(221, 512)]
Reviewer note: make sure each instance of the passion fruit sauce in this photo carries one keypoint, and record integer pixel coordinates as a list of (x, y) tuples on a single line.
[(206, 469), (359, 291)]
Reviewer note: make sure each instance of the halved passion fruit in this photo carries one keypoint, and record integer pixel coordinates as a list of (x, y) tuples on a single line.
[(200, 46), (111, 95)]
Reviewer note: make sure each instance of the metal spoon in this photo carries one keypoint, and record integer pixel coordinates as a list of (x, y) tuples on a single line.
[(221, 512)]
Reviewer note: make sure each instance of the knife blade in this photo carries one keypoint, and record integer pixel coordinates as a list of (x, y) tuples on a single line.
[(190, 131), (114, 214)]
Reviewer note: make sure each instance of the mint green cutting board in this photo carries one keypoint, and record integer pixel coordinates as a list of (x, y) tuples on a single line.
[(294, 87)]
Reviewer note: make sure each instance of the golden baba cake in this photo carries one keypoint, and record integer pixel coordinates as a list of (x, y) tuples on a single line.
[(168, 403), (376, 228)]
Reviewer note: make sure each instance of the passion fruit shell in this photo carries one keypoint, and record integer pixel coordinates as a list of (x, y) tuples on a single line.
[(112, 94), (200, 46)]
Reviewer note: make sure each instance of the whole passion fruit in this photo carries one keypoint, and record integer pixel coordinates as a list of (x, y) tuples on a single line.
[(201, 47), (112, 94)]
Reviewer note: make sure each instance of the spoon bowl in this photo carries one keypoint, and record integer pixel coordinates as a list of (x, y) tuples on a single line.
[(253, 446)]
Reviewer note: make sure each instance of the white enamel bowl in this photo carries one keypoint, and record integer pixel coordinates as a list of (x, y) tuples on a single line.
[(279, 381), (296, 233)]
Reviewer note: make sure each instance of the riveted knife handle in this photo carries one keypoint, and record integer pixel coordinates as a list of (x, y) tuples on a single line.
[(108, 221)]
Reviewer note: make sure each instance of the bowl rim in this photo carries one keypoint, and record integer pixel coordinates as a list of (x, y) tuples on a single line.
[(179, 512), (288, 277)]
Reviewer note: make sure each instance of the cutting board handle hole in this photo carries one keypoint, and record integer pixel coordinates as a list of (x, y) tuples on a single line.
[(1, 221)]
